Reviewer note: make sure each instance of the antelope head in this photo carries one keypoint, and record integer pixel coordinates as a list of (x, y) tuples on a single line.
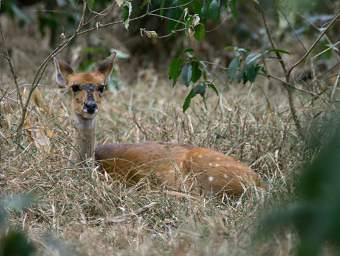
[(86, 88)]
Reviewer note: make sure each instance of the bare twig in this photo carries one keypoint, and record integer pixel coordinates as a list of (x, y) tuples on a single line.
[(81, 22), (303, 58), (293, 29), (319, 30), (148, 13), (11, 66), (290, 85), (284, 69), (335, 86), (42, 67)]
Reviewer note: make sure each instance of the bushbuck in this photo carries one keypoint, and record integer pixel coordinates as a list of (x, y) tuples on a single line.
[(175, 166)]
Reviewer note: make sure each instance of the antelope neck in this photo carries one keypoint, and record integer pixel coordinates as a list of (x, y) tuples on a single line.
[(85, 139)]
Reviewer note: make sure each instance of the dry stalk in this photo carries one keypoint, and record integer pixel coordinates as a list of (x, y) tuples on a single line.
[(287, 71), (11, 66)]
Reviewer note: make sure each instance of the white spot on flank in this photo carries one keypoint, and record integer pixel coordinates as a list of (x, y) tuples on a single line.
[(218, 158), (217, 165), (210, 164), (210, 178), (199, 156), (225, 176)]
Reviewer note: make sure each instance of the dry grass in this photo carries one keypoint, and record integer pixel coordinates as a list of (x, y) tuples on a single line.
[(87, 213), (96, 215)]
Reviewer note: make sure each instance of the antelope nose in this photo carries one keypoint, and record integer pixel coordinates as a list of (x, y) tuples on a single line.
[(90, 107)]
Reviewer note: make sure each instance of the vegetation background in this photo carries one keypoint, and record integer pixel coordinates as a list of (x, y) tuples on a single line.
[(257, 80)]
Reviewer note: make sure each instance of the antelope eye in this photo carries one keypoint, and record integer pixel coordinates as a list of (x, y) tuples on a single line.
[(75, 88), (101, 88)]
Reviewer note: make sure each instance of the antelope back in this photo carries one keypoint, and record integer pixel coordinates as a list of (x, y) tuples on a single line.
[(216, 173), (177, 166), (131, 162)]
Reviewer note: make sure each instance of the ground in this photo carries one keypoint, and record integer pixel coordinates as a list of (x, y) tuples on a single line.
[(79, 210)]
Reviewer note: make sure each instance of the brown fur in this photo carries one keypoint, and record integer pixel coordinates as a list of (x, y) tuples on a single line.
[(79, 98), (179, 167)]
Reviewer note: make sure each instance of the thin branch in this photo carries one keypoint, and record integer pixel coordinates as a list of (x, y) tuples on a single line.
[(284, 68), (11, 66), (100, 26), (335, 86), (42, 67), (4, 94), (148, 13), (290, 85), (303, 58), (82, 17), (171, 33), (172, 7), (292, 28), (166, 18), (319, 30)]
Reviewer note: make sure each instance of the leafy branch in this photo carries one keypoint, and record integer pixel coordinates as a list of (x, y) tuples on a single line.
[(287, 72)]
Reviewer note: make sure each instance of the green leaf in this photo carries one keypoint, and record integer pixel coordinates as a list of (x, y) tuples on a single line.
[(277, 50), (126, 12), (229, 48), (189, 52), (175, 69), (91, 4), (250, 73), (199, 32), (161, 12), (233, 8), (196, 6), (187, 100), (16, 243), (213, 87), (234, 69), (196, 71), (187, 74), (204, 10), (214, 10), (198, 89), (95, 50), (253, 58), (175, 15)]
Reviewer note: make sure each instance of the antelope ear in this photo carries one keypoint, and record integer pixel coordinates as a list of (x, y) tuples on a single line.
[(63, 70), (106, 66)]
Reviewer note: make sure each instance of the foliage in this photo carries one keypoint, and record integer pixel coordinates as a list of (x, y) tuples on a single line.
[(193, 72), (178, 16), (247, 65), (315, 213), (14, 241)]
